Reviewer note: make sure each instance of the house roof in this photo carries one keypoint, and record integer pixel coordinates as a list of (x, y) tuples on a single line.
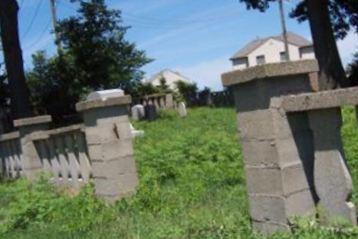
[(162, 72), (292, 38)]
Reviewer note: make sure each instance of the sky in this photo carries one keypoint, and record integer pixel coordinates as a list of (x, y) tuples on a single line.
[(196, 38)]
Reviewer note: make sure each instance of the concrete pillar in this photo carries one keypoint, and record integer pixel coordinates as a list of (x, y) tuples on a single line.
[(331, 176), (278, 162), (169, 102), (110, 148), (31, 161)]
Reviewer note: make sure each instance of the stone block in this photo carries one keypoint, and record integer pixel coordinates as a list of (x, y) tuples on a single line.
[(294, 179), (260, 153), (115, 149), (300, 204), (269, 228), (268, 208), (113, 168), (283, 69), (255, 125), (261, 180)]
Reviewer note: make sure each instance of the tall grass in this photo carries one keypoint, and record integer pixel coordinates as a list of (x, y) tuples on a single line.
[(192, 185)]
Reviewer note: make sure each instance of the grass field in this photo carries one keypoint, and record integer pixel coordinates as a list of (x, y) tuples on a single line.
[(192, 185)]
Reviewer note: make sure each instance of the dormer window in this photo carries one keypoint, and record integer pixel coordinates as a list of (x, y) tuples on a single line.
[(260, 60)]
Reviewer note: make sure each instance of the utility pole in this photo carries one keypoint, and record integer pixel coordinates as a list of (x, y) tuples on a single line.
[(284, 31), (54, 22)]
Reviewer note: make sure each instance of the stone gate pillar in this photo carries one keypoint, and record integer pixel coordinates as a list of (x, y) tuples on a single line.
[(32, 165), (277, 148), (110, 148)]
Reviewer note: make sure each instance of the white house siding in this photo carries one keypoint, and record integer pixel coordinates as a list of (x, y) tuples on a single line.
[(307, 52), (271, 50), (170, 77)]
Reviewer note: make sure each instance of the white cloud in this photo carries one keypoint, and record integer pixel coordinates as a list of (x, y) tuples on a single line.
[(348, 46), (207, 73)]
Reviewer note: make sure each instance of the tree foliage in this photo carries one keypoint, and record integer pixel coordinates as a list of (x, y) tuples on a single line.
[(95, 38), (95, 56), (343, 13), (187, 91)]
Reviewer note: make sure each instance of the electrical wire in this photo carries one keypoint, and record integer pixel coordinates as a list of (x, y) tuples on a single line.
[(33, 19), (41, 35)]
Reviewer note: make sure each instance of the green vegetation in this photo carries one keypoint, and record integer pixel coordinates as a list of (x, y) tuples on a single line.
[(191, 186)]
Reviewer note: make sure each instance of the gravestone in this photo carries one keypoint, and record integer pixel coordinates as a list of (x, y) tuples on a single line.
[(182, 109), (138, 112), (150, 112)]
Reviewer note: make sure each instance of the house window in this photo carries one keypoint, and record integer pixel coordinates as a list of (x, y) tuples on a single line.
[(283, 56), (260, 60)]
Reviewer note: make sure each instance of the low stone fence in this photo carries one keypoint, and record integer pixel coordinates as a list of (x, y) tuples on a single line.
[(99, 150), (161, 101), (11, 155), (292, 146), (63, 153)]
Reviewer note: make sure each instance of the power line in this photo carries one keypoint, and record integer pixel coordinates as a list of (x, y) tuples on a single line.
[(32, 20), (38, 40)]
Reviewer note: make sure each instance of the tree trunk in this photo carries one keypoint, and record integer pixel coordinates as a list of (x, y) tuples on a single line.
[(19, 92), (331, 74)]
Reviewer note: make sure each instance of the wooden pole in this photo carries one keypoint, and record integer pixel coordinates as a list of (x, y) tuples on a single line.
[(284, 31)]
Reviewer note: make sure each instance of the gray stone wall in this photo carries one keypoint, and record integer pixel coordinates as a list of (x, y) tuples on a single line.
[(100, 149), (278, 172), (292, 146), (109, 142)]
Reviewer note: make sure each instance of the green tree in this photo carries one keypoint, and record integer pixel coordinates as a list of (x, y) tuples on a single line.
[(142, 89), (95, 56), (327, 19), (54, 86), (95, 38), (187, 92), (163, 87)]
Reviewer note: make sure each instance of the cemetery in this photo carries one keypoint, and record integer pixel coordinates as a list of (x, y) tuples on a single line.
[(92, 147), (289, 160)]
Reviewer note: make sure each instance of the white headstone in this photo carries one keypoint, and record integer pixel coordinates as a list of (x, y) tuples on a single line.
[(138, 112), (136, 133), (182, 109), (105, 94)]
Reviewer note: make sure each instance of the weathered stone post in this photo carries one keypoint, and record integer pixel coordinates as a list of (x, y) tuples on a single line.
[(31, 161), (331, 176), (278, 169), (110, 146), (332, 180), (169, 102)]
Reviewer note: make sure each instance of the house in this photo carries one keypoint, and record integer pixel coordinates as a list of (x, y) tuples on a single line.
[(170, 76), (272, 49)]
